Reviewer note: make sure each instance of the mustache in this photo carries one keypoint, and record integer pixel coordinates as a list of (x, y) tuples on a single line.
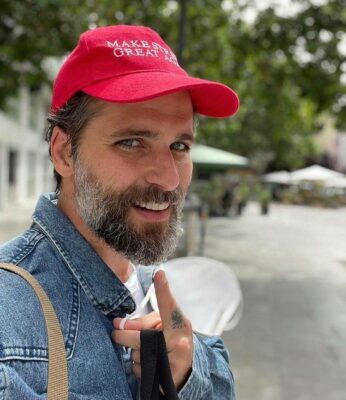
[(136, 194), (154, 194)]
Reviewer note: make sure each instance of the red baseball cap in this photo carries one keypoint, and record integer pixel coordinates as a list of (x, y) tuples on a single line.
[(126, 63)]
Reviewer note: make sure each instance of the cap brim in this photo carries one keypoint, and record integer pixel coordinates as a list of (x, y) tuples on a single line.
[(209, 98)]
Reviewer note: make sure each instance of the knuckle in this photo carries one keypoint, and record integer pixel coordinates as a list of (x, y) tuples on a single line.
[(171, 303), (184, 344), (188, 324), (181, 343)]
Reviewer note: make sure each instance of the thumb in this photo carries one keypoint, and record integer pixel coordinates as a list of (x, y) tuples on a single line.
[(172, 317)]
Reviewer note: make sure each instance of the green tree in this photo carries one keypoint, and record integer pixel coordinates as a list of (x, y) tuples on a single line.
[(286, 70)]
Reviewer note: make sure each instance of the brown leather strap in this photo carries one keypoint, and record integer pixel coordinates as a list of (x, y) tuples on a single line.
[(57, 387)]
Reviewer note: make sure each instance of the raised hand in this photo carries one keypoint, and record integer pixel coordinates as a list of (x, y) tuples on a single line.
[(176, 328)]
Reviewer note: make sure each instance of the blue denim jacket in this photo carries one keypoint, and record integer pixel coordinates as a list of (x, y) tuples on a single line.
[(86, 296)]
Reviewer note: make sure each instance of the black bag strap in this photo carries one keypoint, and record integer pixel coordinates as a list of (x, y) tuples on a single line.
[(155, 369)]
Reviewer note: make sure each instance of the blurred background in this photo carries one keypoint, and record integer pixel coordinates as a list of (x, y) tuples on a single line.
[(268, 196)]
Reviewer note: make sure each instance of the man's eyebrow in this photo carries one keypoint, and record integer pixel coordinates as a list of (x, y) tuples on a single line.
[(187, 136), (125, 133)]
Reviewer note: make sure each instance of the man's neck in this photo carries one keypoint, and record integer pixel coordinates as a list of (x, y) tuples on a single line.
[(117, 263)]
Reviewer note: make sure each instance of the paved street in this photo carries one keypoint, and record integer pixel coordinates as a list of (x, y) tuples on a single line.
[(291, 341)]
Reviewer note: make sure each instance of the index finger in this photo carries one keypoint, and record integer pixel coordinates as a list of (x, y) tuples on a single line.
[(172, 317)]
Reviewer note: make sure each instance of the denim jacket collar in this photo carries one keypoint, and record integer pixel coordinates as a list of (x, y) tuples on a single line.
[(100, 284)]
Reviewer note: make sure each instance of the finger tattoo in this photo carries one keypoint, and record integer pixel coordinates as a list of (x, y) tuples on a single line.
[(177, 319)]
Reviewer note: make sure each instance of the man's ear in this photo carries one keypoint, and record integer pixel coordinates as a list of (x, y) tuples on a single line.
[(60, 149)]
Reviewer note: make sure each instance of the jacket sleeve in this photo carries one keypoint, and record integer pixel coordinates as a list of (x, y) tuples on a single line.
[(211, 377)]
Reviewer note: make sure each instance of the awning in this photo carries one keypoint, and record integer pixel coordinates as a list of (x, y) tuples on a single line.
[(211, 157)]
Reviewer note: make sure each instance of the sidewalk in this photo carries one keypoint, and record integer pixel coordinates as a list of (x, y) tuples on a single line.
[(290, 342)]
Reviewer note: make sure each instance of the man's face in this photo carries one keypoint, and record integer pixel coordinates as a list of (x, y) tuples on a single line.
[(131, 173)]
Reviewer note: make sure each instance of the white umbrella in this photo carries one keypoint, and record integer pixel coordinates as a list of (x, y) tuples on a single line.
[(315, 173), (336, 183), (281, 177)]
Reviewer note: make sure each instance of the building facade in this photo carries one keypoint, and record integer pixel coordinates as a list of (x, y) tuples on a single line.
[(332, 145), (25, 166)]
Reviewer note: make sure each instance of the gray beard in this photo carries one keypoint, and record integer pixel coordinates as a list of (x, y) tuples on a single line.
[(106, 213)]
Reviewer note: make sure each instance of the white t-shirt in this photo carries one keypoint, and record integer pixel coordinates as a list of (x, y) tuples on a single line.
[(136, 290)]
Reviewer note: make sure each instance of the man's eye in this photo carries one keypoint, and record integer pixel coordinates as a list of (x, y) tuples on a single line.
[(179, 146), (128, 143)]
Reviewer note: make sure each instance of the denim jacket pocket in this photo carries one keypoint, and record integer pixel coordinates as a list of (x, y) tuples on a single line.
[(22, 326)]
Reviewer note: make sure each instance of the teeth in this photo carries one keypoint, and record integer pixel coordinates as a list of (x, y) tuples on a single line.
[(154, 206)]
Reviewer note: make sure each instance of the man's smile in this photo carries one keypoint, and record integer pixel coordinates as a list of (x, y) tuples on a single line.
[(153, 206), (153, 212)]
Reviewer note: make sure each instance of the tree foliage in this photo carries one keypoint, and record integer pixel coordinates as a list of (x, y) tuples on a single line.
[(286, 70)]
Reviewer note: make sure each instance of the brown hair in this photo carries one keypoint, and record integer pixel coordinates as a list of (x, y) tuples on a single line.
[(72, 118)]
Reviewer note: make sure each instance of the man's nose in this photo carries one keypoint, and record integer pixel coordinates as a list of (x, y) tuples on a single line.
[(163, 171)]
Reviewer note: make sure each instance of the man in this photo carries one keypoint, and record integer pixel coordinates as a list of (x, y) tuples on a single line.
[(121, 126)]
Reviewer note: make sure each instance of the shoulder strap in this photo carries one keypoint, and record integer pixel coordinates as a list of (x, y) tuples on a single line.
[(155, 368), (57, 388)]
